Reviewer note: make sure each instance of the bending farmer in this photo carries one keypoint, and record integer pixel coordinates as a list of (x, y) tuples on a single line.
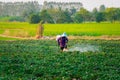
[(62, 42)]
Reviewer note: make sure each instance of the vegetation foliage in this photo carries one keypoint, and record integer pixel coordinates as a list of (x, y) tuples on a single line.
[(41, 59), (27, 11)]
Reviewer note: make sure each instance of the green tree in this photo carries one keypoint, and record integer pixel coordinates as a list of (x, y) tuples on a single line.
[(65, 17), (45, 16), (94, 14), (34, 18), (112, 14), (99, 17), (85, 14), (26, 14), (102, 8), (60, 16), (73, 11), (78, 18), (54, 13), (118, 14)]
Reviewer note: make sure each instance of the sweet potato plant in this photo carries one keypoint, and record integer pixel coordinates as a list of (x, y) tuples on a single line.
[(42, 60)]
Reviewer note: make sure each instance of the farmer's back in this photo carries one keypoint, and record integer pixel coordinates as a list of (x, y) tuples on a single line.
[(62, 41)]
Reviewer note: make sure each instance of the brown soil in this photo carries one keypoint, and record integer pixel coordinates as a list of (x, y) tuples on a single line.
[(104, 37)]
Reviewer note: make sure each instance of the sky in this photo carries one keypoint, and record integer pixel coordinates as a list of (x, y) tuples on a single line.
[(88, 4)]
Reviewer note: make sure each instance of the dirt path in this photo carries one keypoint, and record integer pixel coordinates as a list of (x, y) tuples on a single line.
[(105, 37), (13, 37)]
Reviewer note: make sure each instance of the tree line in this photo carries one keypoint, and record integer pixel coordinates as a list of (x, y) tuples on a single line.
[(33, 13), (18, 11), (72, 16)]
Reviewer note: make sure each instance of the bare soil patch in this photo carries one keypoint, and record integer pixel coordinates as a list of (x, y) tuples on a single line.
[(104, 37)]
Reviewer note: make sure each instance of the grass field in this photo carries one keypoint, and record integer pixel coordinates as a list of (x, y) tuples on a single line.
[(85, 29), (88, 29), (42, 60), (17, 29), (6, 38)]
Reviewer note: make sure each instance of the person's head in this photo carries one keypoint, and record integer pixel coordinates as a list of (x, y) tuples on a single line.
[(64, 34)]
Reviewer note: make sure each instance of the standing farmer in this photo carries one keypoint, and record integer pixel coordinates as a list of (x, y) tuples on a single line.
[(40, 30), (62, 42)]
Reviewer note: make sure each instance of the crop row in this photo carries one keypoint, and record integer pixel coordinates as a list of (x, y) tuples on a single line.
[(42, 59)]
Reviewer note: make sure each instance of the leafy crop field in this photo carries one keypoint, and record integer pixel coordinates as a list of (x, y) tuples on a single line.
[(85, 29), (42, 60)]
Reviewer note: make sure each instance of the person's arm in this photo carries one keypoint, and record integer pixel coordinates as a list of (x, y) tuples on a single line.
[(66, 39), (58, 41)]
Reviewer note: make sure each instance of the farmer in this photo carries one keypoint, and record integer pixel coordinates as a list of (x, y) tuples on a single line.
[(40, 30), (62, 41)]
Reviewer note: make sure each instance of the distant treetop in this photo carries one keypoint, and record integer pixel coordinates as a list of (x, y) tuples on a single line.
[(62, 5)]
